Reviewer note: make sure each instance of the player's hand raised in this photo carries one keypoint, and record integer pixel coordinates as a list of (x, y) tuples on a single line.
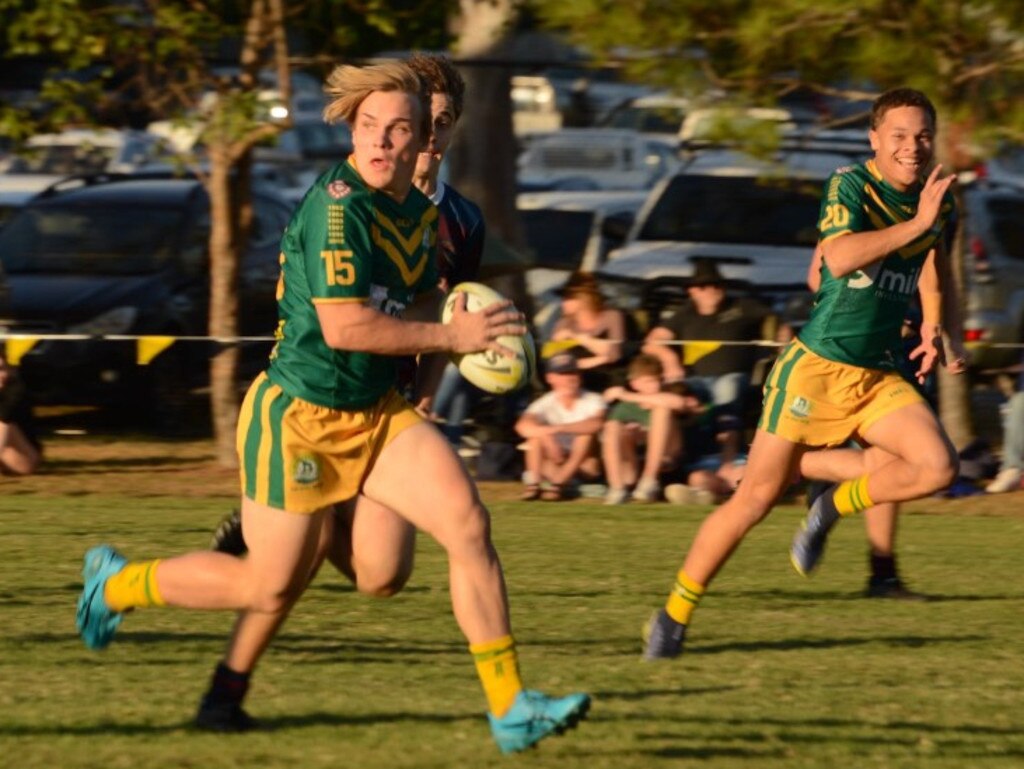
[(930, 201)]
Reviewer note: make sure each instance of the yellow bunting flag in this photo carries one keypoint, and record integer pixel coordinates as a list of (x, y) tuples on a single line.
[(16, 348), (151, 346)]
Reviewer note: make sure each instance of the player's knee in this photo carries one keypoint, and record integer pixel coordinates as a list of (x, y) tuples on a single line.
[(274, 599), (469, 529), (386, 587)]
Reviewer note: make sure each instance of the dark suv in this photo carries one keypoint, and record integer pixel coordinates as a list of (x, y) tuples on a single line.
[(114, 255)]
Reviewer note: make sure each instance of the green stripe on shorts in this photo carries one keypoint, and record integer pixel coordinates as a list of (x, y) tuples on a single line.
[(781, 382), (276, 469), (253, 438)]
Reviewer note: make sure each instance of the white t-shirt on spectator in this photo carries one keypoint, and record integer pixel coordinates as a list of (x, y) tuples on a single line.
[(548, 410)]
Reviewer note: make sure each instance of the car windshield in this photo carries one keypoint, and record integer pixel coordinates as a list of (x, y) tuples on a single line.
[(89, 240), (735, 209), (557, 238)]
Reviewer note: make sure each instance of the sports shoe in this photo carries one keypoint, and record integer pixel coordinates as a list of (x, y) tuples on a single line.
[(616, 497), (663, 637), (891, 587), (227, 537), (809, 542), (96, 622), (223, 716), (681, 494), (533, 716), (647, 490), (1008, 479)]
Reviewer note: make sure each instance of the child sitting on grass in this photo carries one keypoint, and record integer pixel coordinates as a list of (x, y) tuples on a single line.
[(644, 415)]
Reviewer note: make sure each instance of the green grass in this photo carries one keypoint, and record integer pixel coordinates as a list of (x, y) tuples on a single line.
[(779, 671)]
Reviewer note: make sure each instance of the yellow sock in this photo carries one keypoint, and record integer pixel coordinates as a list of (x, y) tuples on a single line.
[(497, 664), (852, 496), (683, 599), (134, 587)]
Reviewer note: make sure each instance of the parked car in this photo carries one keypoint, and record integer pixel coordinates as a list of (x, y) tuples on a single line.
[(660, 115), (994, 272), (757, 219), (595, 159), (109, 255), (47, 158), (569, 231)]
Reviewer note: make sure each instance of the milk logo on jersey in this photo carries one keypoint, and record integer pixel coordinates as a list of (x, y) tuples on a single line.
[(800, 407), (888, 283), (306, 469)]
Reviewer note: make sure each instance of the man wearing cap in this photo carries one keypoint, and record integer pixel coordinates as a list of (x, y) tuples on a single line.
[(561, 429), (722, 372)]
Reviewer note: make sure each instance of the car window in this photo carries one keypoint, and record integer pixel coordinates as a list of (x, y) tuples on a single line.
[(1008, 225), (578, 157), (557, 238), (722, 209), (89, 240)]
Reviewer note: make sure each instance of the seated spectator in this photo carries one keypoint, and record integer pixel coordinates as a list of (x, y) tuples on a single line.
[(20, 450), (1011, 470), (711, 466), (644, 415), (560, 429), (597, 329), (723, 372)]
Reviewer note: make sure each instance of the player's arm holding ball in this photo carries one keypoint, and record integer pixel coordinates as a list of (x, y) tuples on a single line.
[(349, 323)]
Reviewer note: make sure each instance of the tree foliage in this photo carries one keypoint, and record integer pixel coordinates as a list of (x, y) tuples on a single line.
[(967, 55)]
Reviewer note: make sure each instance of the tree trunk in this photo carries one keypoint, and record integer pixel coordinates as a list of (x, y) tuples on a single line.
[(483, 156), (955, 390), (225, 246)]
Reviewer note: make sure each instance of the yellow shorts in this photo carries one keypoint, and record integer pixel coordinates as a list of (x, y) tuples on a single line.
[(299, 457), (818, 402)]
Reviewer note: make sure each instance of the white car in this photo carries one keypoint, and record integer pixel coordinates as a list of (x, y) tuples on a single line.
[(756, 219), (595, 159)]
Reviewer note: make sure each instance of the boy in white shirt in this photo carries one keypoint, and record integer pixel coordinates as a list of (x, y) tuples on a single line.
[(561, 429)]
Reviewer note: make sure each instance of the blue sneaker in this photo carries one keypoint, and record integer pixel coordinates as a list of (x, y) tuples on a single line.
[(96, 622), (533, 716), (809, 542), (663, 637)]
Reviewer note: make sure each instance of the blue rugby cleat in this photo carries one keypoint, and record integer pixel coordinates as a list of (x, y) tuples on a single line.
[(534, 716), (809, 541), (96, 622)]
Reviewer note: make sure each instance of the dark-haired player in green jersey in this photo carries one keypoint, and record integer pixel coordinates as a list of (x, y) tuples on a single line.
[(325, 421), (880, 221)]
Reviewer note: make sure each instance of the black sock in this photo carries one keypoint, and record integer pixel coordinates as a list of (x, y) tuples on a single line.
[(883, 567), (227, 685)]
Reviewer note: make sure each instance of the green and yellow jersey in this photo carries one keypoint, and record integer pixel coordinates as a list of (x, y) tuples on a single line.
[(857, 319), (347, 242)]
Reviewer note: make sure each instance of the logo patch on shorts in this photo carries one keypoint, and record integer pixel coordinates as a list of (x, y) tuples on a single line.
[(800, 407), (306, 470)]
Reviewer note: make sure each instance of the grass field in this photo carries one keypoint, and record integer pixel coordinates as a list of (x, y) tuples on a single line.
[(779, 671)]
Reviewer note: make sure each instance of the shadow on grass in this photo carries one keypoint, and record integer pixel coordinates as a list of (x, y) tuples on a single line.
[(155, 462), (819, 596), (272, 724), (796, 644)]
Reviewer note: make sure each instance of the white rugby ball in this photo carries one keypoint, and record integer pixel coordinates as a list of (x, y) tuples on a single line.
[(489, 370)]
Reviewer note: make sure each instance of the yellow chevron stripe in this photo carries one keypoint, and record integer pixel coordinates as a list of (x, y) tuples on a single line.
[(893, 216), (410, 243), (409, 276)]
